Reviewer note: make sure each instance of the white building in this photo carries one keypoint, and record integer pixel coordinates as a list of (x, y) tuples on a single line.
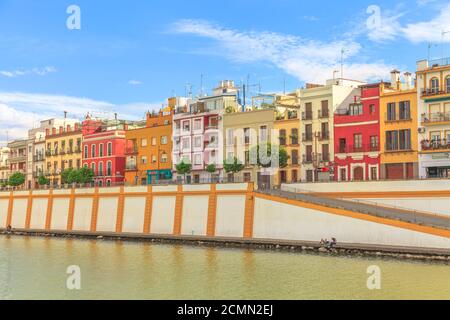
[(4, 164)]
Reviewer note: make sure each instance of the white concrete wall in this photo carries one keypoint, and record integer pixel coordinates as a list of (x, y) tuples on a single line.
[(82, 214), (230, 216), (3, 212), (133, 215), (195, 215), (38, 214), (19, 213), (371, 186), (275, 220), (107, 214), (60, 214), (163, 212)]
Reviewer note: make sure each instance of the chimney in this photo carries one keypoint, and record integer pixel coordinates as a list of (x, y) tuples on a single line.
[(408, 80), (395, 79)]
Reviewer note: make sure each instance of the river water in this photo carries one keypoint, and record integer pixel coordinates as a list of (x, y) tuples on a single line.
[(36, 268)]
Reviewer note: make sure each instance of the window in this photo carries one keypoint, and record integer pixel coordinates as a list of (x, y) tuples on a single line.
[(246, 135), (198, 159), (374, 143), (154, 159), (325, 153), (110, 149), (282, 137), (263, 133), (447, 84), (308, 111), (230, 137), (342, 145), (109, 169), (197, 124), (100, 168), (144, 160), (324, 110), (143, 142), (100, 149), (404, 110), (247, 177), (164, 158), (108, 183), (434, 85), (186, 125), (391, 140), (390, 116), (86, 152), (197, 142), (294, 136), (357, 141), (93, 151), (93, 167), (78, 163), (308, 132), (372, 109), (154, 141), (294, 157), (404, 137), (185, 143), (356, 109), (163, 139), (100, 183)]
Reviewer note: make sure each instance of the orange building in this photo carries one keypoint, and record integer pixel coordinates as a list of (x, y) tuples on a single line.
[(149, 150)]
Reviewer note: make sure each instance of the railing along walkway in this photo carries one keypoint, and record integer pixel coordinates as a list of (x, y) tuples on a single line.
[(416, 217)]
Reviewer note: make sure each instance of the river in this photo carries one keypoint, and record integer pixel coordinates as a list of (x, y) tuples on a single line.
[(36, 268)]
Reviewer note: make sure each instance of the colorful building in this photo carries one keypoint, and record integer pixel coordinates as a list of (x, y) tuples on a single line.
[(18, 156), (318, 103), (63, 151), (356, 135), (4, 164), (433, 91), (399, 128), (196, 131), (104, 150), (149, 149), (244, 131)]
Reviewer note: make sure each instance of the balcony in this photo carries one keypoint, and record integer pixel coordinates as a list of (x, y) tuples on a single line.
[(306, 116), (437, 117), (69, 150), (435, 145), (18, 158), (307, 137), (395, 117), (131, 150), (434, 92), (324, 135), (38, 158), (307, 159), (358, 148), (212, 127), (323, 114), (131, 167), (78, 149)]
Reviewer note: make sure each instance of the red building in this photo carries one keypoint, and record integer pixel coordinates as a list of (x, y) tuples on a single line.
[(104, 150), (357, 135)]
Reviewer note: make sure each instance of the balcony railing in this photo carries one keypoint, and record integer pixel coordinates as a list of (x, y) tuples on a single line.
[(212, 127), (323, 114), (307, 159), (307, 137), (131, 150), (428, 145), (436, 117), (358, 148), (306, 115), (324, 135), (37, 158), (391, 117), (434, 92), (131, 167)]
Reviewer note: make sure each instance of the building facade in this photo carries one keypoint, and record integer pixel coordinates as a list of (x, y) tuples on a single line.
[(4, 165), (62, 151), (399, 128), (318, 103), (197, 128), (356, 136), (18, 156), (243, 131), (104, 150), (149, 149), (433, 96)]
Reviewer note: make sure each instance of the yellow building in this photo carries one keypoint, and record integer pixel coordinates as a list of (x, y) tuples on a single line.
[(398, 129), (149, 150), (62, 151), (242, 132)]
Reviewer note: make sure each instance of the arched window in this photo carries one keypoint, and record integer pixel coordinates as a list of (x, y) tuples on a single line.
[(93, 167), (86, 152), (447, 84), (109, 169), (434, 85), (100, 168), (109, 149), (93, 151)]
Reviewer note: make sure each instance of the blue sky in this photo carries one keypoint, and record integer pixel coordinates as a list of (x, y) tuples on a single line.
[(130, 56)]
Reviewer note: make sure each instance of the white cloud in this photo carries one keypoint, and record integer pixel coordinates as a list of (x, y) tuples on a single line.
[(307, 60), (23, 111), (135, 82), (35, 71)]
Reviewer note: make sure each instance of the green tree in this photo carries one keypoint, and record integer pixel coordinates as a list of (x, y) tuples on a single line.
[(233, 165), (267, 161), (65, 176), (42, 180), (86, 175), (16, 179), (183, 168), (211, 168), (74, 177)]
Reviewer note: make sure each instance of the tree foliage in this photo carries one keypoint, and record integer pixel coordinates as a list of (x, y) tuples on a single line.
[(211, 168), (43, 181), (233, 165), (183, 168), (268, 158), (16, 179)]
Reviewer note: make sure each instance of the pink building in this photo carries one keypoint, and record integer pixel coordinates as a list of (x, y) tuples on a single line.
[(357, 135)]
